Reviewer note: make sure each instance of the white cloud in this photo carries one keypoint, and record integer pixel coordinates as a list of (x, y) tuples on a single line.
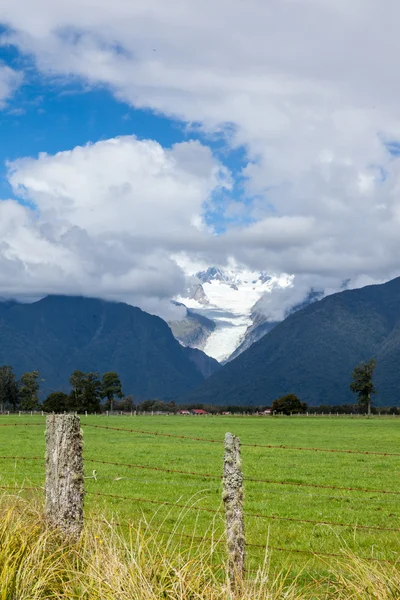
[(309, 87), (103, 219), (10, 80)]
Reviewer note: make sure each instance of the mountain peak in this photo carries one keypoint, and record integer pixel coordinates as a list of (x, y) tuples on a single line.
[(212, 274)]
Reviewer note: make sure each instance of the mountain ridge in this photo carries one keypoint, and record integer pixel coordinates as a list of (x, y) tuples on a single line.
[(59, 334), (313, 351)]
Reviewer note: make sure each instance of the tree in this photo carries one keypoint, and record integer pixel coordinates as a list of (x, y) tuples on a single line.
[(362, 384), (9, 395), (77, 381), (86, 392), (111, 388), (92, 393), (56, 402), (29, 390), (288, 404)]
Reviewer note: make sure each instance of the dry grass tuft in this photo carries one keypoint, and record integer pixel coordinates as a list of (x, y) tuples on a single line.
[(136, 564)]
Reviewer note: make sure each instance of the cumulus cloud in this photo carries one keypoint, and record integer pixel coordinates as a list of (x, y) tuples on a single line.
[(308, 87), (103, 219)]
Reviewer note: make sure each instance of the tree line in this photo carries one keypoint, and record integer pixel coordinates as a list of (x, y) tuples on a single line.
[(93, 394), (88, 393)]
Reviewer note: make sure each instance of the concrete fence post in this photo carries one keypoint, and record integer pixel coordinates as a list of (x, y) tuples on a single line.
[(64, 474), (233, 500)]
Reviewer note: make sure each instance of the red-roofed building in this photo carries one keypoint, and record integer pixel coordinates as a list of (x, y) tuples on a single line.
[(199, 411)]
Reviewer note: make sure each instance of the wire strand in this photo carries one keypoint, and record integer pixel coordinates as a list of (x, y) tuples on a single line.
[(249, 514), (322, 486), (22, 458), (158, 502), (21, 424), (147, 467), (156, 433), (265, 547), (247, 445)]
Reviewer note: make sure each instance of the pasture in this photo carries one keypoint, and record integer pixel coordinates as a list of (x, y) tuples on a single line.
[(301, 524)]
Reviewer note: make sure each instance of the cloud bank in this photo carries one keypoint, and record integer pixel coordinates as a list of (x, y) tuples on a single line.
[(308, 88)]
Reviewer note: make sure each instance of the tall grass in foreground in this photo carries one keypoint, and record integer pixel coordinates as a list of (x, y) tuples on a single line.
[(36, 564)]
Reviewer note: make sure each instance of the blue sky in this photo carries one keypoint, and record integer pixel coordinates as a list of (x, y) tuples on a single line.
[(55, 114)]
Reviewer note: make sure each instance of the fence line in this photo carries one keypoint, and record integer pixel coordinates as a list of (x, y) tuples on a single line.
[(334, 450), (355, 526), (249, 514), (22, 458), (314, 522), (19, 488), (323, 486), (264, 547), (146, 467), (21, 424), (320, 554), (159, 502), (146, 481), (170, 435), (219, 477), (247, 445), (271, 481)]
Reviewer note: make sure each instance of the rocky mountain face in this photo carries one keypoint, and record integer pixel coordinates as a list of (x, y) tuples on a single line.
[(59, 334), (261, 324), (313, 352), (257, 330), (230, 302), (193, 330)]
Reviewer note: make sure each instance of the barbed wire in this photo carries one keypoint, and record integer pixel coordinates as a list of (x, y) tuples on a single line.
[(175, 482), (159, 502), (214, 441), (250, 479), (156, 433), (19, 488), (316, 522), (318, 554), (322, 486), (22, 458), (162, 469), (218, 477), (334, 450), (247, 445), (264, 547), (250, 514), (21, 424), (285, 492)]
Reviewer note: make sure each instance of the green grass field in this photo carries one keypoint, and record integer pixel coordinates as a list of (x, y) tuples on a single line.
[(290, 501)]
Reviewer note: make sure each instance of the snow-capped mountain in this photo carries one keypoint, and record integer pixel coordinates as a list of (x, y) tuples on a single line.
[(228, 297)]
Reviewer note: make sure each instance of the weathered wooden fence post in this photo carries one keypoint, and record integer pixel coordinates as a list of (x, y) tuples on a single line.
[(233, 500), (64, 474)]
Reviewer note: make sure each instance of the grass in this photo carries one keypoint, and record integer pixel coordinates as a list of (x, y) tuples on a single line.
[(290, 501), (37, 564)]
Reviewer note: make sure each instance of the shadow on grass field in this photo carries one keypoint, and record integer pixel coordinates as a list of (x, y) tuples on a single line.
[(37, 564)]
